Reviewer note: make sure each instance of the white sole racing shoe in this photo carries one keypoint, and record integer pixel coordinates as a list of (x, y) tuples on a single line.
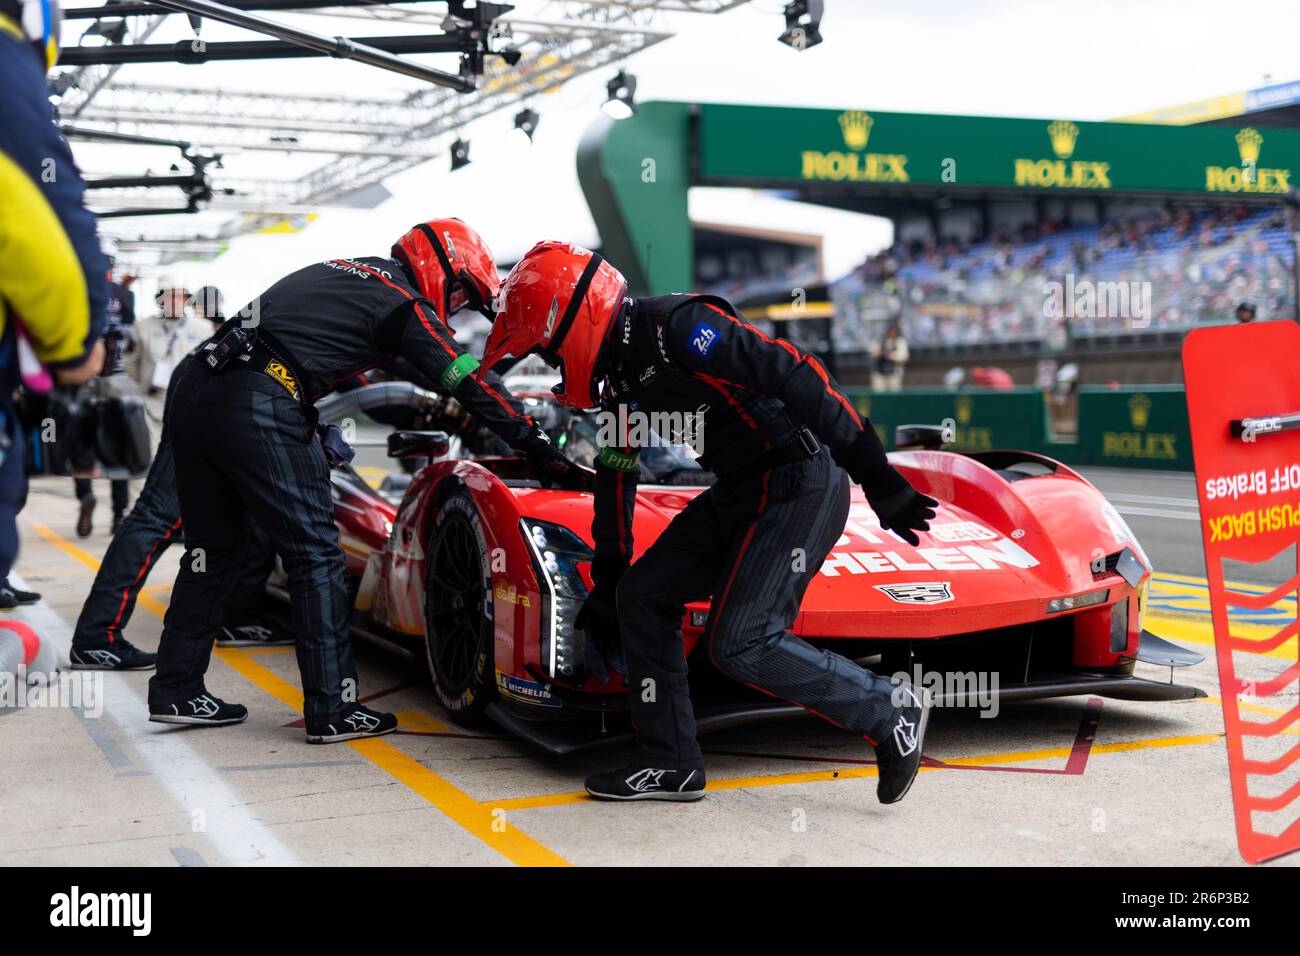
[(252, 635), (203, 710), (121, 655), (356, 723), (647, 783), (898, 753)]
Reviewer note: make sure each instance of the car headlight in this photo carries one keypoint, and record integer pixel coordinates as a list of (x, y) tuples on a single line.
[(1057, 605), (557, 552)]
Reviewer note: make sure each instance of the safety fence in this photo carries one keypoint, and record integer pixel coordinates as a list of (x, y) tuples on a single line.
[(1118, 427)]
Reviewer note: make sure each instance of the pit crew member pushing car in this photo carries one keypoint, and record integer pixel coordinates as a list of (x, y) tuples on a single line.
[(245, 442), (781, 436)]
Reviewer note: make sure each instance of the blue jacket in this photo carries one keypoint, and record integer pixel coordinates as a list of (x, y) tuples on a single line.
[(52, 273)]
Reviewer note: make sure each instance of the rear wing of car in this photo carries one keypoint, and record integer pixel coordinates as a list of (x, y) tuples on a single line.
[(1243, 396)]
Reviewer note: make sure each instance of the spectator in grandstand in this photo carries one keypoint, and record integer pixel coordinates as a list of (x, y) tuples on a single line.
[(888, 360), (1245, 312), (1197, 263)]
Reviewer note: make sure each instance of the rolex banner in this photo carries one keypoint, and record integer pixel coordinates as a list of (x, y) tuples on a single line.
[(774, 145)]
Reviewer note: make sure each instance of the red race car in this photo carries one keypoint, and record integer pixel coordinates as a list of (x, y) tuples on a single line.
[(1028, 581)]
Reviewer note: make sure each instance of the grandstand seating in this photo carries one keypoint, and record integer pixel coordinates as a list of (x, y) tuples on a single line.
[(1199, 263)]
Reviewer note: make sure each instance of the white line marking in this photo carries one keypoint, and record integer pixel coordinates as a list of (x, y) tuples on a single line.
[(1156, 513), (228, 825), (1155, 500)]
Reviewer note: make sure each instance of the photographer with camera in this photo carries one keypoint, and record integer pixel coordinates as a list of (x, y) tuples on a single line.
[(52, 271), (118, 339)]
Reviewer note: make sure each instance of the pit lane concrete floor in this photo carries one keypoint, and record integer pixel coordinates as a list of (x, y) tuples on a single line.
[(1078, 781)]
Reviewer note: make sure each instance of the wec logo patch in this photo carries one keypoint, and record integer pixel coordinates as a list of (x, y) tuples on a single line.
[(704, 338)]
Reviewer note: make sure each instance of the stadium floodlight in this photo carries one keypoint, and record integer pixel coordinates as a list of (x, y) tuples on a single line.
[(803, 21), (622, 92), (521, 137), (459, 154)]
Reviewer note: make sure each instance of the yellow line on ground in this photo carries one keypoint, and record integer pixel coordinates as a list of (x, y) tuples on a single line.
[(246, 667), (481, 820), (1204, 582), (854, 773), (1201, 631), (1249, 708), (1125, 746), (145, 600), (480, 817), (373, 474), (486, 822), (420, 722)]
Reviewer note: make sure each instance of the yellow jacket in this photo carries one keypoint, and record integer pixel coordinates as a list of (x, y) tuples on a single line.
[(52, 273)]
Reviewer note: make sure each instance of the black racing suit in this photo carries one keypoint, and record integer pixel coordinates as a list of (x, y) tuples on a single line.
[(153, 525), (244, 444), (767, 415)]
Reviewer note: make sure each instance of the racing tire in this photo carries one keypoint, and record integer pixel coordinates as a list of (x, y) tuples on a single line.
[(458, 623)]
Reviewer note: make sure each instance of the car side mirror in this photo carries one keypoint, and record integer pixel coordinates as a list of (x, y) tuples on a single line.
[(412, 444), (928, 437)]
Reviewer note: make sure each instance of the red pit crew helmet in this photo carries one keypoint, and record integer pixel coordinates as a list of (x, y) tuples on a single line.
[(559, 301), (450, 265)]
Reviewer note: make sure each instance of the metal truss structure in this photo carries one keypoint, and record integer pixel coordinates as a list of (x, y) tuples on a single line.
[(361, 140)]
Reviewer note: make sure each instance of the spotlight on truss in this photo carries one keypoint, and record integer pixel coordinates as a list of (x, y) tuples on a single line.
[(108, 31), (803, 21), (459, 155), (521, 137), (622, 92)]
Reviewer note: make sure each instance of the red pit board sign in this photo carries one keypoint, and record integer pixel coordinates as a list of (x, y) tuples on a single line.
[(1243, 401)]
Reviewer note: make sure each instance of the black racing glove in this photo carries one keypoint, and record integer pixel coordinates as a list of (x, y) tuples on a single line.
[(551, 467), (603, 644), (901, 508)]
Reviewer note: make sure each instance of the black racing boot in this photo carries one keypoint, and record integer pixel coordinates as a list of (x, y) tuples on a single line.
[(357, 722), (87, 511), (898, 752), (116, 526), (636, 782), (253, 634), (11, 597), (121, 655), (203, 709)]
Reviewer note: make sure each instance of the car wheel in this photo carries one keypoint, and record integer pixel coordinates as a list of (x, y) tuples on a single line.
[(458, 626)]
